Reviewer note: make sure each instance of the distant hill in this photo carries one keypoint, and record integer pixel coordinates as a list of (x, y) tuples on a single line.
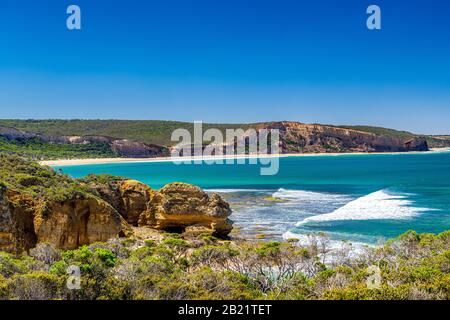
[(147, 131), (433, 141), (53, 139), (382, 131)]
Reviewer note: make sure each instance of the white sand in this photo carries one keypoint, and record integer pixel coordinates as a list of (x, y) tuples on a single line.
[(76, 162)]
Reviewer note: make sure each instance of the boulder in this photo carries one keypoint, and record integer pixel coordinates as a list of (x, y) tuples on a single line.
[(178, 206), (135, 197)]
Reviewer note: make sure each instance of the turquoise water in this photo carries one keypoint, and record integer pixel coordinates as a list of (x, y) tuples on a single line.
[(361, 198)]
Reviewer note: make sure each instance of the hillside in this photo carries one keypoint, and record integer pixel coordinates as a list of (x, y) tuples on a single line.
[(433, 141), (64, 139), (146, 131)]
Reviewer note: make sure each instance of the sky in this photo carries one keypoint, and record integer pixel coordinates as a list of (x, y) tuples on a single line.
[(229, 61)]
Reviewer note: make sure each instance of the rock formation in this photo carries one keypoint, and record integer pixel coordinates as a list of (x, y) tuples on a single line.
[(297, 137), (118, 205), (177, 207), (122, 147), (25, 221)]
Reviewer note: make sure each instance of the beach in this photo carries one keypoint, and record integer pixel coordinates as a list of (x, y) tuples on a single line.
[(77, 162)]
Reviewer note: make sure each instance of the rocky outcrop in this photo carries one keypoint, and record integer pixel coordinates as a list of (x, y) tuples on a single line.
[(38, 204), (25, 221), (295, 138), (133, 149), (416, 144), (130, 198), (122, 147), (71, 224), (311, 138), (6, 226), (177, 206)]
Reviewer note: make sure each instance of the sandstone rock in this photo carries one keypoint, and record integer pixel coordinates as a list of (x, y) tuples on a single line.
[(129, 197), (24, 222), (70, 224), (136, 197), (6, 227), (298, 137), (176, 207), (134, 149), (17, 223), (179, 205), (124, 148)]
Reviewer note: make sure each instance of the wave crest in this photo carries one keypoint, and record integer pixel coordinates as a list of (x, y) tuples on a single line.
[(378, 205), (306, 195)]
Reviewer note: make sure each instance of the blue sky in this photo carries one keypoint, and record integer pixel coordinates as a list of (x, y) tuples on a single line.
[(229, 61)]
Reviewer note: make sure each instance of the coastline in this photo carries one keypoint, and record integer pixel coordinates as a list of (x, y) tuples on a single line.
[(77, 162)]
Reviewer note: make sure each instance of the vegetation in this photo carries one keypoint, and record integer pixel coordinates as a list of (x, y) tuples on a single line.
[(21, 174), (433, 141), (147, 131), (413, 266), (168, 266), (34, 148), (159, 132)]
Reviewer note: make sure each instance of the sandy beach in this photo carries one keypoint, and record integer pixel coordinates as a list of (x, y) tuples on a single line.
[(77, 162)]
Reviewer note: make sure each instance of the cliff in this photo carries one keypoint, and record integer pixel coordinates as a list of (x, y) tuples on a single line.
[(177, 206), (39, 205), (312, 138), (133, 141), (120, 147)]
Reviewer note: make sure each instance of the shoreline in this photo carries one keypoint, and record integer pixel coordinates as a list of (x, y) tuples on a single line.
[(77, 162)]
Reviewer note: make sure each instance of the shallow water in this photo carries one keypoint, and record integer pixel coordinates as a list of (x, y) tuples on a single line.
[(361, 198)]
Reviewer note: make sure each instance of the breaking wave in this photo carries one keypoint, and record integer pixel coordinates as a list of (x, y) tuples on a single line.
[(375, 206), (234, 190), (299, 195)]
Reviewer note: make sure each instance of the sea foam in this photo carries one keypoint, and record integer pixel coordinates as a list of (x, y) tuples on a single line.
[(375, 206), (234, 190), (302, 195)]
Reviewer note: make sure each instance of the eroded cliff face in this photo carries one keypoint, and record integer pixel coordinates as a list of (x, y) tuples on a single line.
[(25, 221), (71, 224), (122, 147), (178, 207), (130, 198), (6, 227), (121, 205), (185, 207), (309, 138)]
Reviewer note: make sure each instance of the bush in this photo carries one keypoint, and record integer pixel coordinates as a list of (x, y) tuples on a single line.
[(37, 285)]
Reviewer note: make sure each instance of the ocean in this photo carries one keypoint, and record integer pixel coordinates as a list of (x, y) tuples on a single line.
[(357, 198)]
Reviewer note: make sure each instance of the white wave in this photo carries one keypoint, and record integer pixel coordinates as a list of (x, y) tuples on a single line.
[(375, 206), (234, 190), (302, 195)]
